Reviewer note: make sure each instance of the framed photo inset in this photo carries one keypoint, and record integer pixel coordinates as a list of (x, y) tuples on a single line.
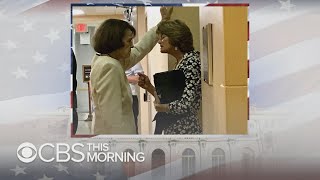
[(207, 56), (86, 69)]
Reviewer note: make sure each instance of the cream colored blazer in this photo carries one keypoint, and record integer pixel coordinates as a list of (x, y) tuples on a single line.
[(111, 91)]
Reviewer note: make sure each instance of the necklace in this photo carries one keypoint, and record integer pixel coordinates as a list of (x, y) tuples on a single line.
[(178, 63)]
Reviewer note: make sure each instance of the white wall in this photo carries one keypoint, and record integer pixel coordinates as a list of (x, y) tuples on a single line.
[(158, 62), (84, 54)]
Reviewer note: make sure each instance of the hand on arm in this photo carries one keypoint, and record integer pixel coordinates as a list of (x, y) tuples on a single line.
[(133, 79), (144, 82), (166, 13)]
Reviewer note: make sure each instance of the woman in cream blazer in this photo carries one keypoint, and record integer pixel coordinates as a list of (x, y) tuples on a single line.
[(110, 88)]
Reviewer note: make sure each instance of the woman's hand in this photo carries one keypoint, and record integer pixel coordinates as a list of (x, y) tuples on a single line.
[(166, 13), (144, 81), (157, 104), (161, 107)]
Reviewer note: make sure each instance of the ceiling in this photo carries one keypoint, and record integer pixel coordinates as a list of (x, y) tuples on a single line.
[(100, 10)]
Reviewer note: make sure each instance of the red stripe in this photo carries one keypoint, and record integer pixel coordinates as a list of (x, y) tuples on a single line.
[(71, 99)]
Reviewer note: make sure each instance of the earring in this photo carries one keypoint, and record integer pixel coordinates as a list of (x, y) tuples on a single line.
[(176, 48)]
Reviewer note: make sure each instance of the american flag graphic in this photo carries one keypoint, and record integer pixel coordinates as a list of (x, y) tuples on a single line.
[(35, 40)]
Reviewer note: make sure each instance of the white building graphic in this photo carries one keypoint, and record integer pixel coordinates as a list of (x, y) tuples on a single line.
[(174, 157)]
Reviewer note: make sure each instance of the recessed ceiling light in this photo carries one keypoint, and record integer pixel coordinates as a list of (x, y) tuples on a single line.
[(76, 12)]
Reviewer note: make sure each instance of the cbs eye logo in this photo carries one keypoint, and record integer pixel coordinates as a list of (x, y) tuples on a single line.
[(25, 151)]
